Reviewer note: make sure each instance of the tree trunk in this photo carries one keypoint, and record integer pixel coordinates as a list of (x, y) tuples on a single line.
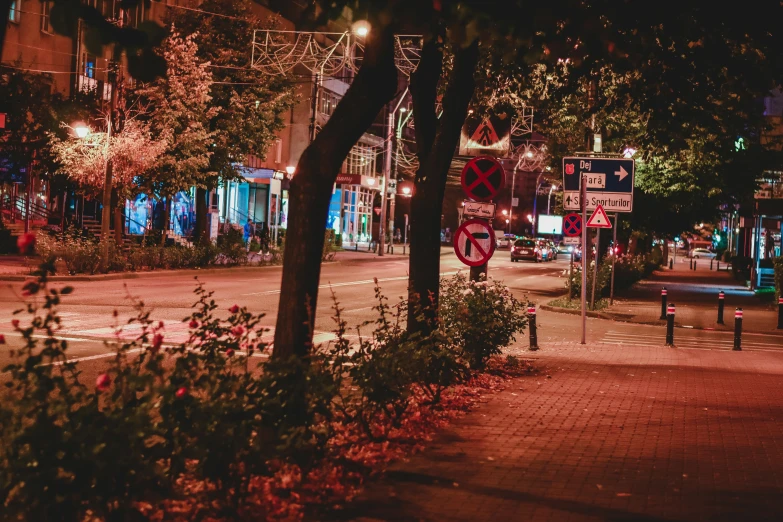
[(200, 232), (166, 221), (119, 226), (436, 142), (311, 191)]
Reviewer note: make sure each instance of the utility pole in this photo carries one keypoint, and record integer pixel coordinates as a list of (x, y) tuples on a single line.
[(386, 176), (387, 164)]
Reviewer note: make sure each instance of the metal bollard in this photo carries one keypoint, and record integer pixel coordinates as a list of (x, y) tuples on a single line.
[(780, 313), (694, 264), (690, 264), (718, 268), (711, 260), (531, 314), (670, 325), (671, 264), (663, 302), (738, 329), (721, 299)]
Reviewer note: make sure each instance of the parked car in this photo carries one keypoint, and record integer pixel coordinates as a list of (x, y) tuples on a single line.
[(702, 253), (562, 248), (505, 241), (576, 252), (527, 249), (552, 249)]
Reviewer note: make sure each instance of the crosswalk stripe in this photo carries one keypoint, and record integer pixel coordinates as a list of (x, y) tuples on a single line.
[(704, 343)]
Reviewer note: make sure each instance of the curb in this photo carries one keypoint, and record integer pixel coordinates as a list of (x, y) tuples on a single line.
[(141, 275), (569, 311)]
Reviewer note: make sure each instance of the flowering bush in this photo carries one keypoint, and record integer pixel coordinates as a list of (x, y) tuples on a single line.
[(628, 270), (479, 317), (81, 254), (206, 429)]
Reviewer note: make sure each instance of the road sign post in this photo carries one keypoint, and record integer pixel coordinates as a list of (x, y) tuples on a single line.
[(583, 192), (614, 258), (595, 267)]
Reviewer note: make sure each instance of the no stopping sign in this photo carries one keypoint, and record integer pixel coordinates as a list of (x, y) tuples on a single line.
[(572, 224)]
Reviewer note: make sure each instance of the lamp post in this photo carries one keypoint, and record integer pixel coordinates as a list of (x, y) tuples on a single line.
[(549, 199), (387, 163)]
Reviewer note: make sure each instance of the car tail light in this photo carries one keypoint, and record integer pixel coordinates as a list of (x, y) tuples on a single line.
[(536, 250)]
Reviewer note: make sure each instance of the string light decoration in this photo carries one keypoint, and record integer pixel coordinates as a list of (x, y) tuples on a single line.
[(277, 52)]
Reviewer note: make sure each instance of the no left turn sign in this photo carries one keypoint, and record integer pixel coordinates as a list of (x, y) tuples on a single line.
[(474, 242)]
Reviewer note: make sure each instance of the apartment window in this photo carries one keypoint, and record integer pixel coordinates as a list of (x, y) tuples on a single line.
[(46, 21), (89, 66), (329, 101), (15, 12), (136, 14), (278, 151), (361, 160)]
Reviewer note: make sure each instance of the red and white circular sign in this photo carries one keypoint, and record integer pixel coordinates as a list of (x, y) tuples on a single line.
[(474, 242), (482, 178)]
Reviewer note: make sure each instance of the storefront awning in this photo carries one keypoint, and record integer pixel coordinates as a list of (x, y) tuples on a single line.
[(262, 176)]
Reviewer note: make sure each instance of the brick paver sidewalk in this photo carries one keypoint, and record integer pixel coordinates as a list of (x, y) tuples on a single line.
[(695, 294), (606, 433)]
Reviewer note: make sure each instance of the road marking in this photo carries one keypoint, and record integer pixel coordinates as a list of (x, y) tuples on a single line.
[(350, 283), (716, 340)]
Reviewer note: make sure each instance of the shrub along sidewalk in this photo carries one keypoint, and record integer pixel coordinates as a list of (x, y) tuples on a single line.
[(202, 431)]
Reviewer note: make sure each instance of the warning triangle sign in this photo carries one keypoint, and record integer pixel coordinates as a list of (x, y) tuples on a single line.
[(599, 219), (485, 134)]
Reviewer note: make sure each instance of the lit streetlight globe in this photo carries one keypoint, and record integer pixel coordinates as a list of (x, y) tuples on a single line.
[(81, 130), (361, 28)]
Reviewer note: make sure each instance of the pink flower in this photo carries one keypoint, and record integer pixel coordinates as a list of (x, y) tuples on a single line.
[(103, 382), (193, 323), (157, 341), (182, 392), (15, 323), (2, 339), (26, 243), (234, 309), (237, 330), (230, 352)]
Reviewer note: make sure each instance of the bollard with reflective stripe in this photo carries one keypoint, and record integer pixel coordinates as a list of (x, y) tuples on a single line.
[(670, 325), (721, 300), (780, 313), (663, 302), (738, 329), (531, 314)]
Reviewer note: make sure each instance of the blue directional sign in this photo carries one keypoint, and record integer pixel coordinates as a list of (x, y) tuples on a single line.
[(609, 183)]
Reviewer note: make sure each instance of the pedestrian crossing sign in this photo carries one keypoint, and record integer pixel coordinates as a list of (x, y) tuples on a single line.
[(599, 219)]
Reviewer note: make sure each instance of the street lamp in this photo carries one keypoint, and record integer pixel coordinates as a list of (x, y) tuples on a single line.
[(81, 130), (505, 213), (406, 191), (290, 169), (361, 28)]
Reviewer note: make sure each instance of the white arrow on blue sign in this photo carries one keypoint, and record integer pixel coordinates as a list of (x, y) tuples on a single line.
[(608, 179)]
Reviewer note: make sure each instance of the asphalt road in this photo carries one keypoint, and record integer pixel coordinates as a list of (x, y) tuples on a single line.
[(87, 314)]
